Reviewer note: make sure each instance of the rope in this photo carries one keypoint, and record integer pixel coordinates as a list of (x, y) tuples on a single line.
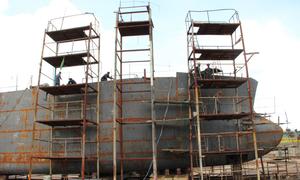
[(162, 128)]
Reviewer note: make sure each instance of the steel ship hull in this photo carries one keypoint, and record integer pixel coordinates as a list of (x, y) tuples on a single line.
[(16, 119)]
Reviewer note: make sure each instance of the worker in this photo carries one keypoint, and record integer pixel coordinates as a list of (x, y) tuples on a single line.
[(57, 79), (71, 81), (218, 97), (208, 72), (196, 70), (195, 73), (105, 77)]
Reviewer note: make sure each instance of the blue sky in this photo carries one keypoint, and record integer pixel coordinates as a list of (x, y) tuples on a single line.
[(286, 11), (270, 26), (171, 13)]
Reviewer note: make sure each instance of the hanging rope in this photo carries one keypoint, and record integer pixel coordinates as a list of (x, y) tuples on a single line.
[(162, 128), (62, 63)]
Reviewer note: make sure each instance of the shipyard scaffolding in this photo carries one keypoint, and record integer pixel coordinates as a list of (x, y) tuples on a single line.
[(133, 22), (218, 61), (65, 116)]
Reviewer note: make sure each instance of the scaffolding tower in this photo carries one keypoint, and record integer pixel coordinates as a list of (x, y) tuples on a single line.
[(225, 70), (62, 120), (132, 22)]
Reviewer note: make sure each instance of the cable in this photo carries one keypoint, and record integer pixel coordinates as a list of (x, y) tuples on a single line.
[(162, 128)]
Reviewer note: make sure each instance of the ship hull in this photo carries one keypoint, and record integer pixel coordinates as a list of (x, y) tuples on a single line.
[(223, 142)]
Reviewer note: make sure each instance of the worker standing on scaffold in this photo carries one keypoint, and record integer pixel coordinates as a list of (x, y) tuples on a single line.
[(57, 79)]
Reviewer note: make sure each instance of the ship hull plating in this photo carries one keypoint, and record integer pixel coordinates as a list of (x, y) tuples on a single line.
[(221, 143)]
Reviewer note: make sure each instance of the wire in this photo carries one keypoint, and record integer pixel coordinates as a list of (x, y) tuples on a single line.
[(162, 128)]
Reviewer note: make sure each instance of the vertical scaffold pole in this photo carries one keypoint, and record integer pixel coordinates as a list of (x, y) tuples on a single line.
[(251, 107), (190, 109), (154, 145), (85, 106), (35, 108), (115, 104), (197, 95), (190, 129), (98, 112)]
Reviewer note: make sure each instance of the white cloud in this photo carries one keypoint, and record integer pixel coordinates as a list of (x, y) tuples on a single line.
[(21, 41), (107, 51), (3, 5), (21, 44), (276, 67)]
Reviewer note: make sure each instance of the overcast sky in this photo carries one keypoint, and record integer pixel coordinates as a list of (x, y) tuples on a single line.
[(270, 27)]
